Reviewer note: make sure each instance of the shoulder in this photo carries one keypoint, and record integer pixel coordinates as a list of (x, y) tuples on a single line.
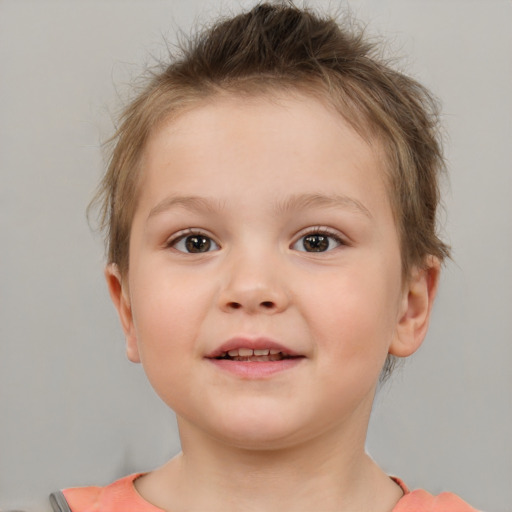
[(422, 501), (120, 495)]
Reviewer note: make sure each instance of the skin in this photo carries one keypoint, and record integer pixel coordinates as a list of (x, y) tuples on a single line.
[(264, 173)]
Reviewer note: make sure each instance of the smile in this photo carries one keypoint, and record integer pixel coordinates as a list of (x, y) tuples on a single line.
[(246, 348), (254, 358), (255, 355)]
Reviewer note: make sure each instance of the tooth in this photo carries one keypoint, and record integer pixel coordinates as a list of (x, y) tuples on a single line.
[(263, 352), (233, 353), (274, 351), (245, 352), (259, 359)]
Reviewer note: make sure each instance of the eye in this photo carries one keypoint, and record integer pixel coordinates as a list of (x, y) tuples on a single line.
[(194, 243), (317, 241)]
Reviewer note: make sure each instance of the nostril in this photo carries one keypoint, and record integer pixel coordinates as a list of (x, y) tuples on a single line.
[(250, 306)]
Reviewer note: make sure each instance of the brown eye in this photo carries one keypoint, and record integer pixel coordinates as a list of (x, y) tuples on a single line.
[(317, 242), (194, 244), (197, 244)]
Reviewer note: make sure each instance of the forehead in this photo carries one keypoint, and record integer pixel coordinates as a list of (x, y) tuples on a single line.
[(262, 136)]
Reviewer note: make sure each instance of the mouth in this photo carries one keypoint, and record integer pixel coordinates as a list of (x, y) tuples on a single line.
[(254, 358), (255, 355), (252, 350)]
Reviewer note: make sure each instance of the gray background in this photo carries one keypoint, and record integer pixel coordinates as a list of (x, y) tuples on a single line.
[(74, 411)]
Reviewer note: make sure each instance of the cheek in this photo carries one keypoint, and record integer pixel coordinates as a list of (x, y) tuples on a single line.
[(165, 327), (167, 311), (353, 315)]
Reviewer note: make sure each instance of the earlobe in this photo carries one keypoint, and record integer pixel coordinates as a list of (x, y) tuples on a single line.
[(416, 308), (120, 298)]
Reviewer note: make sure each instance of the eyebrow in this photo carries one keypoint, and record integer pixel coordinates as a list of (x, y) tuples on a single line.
[(298, 202), (211, 205), (193, 203)]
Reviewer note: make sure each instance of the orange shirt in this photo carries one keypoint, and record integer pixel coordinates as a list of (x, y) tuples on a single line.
[(422, 501), (121, 496)]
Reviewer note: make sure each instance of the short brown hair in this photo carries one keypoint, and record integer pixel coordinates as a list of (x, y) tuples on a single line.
[(281, 47)]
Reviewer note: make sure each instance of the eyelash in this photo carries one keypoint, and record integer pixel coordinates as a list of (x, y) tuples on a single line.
[(183, 235), (318, 231), (328, 233)]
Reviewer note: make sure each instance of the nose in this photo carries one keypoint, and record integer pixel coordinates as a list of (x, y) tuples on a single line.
[(254, 285)]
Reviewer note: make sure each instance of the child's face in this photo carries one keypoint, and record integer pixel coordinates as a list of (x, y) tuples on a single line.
[(263, 224)]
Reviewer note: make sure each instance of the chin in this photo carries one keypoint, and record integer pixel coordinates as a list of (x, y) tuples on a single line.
[(261, 431), (260, 442)]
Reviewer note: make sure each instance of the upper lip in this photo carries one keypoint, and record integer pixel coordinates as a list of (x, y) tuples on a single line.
[(257, 343)]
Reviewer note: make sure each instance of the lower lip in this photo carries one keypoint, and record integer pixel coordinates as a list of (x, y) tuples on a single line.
[(255, 369)]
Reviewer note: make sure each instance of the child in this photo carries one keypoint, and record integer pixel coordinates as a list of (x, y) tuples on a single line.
[(270, 208)]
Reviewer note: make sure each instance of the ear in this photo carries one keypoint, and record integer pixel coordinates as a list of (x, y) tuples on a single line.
[(417, 301), (121, 299)]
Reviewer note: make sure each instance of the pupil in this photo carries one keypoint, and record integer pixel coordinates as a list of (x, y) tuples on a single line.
[(316, 243), (197, 243)]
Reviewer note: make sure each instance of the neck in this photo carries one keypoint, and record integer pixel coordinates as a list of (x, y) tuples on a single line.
[(331, 472)]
